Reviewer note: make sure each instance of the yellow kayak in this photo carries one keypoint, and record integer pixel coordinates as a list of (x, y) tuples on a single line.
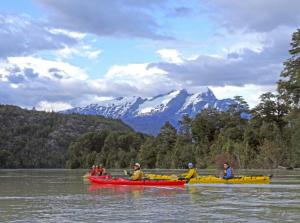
[(217, 180)]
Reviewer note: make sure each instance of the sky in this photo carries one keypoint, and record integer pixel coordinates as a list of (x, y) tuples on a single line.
[(59, 54)]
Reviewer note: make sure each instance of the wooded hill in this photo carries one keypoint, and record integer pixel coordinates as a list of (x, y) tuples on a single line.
[(34, 139)]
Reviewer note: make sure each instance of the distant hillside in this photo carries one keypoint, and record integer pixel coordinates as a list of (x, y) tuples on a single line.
[(34, 139), (150, 114)]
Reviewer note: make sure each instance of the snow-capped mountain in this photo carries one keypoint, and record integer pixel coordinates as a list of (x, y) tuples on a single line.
[(115, 108), (149, 114)]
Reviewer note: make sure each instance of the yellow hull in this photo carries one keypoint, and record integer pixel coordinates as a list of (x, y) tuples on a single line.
[(217, 180)]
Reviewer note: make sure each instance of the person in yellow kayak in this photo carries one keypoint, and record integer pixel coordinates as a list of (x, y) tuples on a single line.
[(137, 173), (191, 173), (228, 171)]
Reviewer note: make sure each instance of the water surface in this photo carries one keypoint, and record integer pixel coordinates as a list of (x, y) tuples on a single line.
[(62, 196)]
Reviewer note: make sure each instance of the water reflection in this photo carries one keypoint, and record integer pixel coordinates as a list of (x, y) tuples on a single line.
[(136, 191)]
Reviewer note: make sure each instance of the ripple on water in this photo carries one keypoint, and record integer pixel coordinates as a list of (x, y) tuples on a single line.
[(61, 196)]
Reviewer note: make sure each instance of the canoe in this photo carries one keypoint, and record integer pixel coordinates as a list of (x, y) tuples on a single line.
[(123, 181), (217, 180)]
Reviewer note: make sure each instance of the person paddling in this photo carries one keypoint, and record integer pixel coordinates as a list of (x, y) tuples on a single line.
[(101, 170), (137, 174), (93, 171), (228, 171), (191, 173)]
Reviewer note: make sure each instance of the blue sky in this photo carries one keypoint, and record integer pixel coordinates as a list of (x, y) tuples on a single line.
[(63, 53)]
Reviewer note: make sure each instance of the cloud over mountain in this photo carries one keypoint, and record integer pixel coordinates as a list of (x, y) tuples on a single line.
[(245, 67)]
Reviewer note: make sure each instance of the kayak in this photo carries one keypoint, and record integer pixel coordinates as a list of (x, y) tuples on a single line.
[(235, 180), (217, 180), (123, 181), (87, 175)]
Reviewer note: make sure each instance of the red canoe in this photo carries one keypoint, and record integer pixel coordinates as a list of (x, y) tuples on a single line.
[(123, 181)]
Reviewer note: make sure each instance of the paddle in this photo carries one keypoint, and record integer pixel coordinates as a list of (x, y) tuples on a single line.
[(127, 173), (183, 178)]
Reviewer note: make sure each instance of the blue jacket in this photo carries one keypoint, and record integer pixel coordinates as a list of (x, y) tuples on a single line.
[(228, 173)]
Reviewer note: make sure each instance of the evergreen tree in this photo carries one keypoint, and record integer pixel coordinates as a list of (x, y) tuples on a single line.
[(289, 86), (165, 144)]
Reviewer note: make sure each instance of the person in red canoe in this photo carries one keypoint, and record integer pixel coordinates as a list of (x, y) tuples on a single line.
[(93, 171), (100, 170), (191, 173), (137, 174)]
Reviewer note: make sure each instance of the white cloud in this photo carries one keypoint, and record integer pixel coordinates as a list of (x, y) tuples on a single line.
[(80, 50), (238, 41), (249, 92), (45, 68), (139, 78), (28, 81), (170, 55), (52, 106), (75, 35)]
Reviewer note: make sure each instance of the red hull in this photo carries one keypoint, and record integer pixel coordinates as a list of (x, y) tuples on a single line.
[(122, 181)]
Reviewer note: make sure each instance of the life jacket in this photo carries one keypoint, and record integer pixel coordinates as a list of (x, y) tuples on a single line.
[(137, 175), (231, 171), (100, 171), (192, 173)]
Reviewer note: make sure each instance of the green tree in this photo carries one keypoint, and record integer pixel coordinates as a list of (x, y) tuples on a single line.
[(165, 144), (148, 153), (271, 109), (289, 86), (185, 127)]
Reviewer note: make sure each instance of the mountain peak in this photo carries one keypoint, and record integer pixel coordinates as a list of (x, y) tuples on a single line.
[(160, 102), (149, 114)]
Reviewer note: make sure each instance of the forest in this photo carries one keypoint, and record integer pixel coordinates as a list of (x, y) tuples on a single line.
[(34, 139), (269, 139)]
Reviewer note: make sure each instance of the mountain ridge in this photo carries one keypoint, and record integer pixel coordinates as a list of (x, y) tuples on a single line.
[(149, 114)]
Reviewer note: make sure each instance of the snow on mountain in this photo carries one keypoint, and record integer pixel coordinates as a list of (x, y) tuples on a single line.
[(115, 108), (148, 115), (197, 102), (156, 104)]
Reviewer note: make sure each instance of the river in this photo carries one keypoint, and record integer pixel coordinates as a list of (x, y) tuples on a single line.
[(43, 195)]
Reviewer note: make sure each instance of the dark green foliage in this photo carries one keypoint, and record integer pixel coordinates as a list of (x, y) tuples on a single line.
[(32, 139), (113, 149), (289, 87)]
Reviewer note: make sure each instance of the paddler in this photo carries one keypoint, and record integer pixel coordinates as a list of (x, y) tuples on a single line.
[(100, 171), (93, 171), (137, 172), (191, 173), (228, 171)]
